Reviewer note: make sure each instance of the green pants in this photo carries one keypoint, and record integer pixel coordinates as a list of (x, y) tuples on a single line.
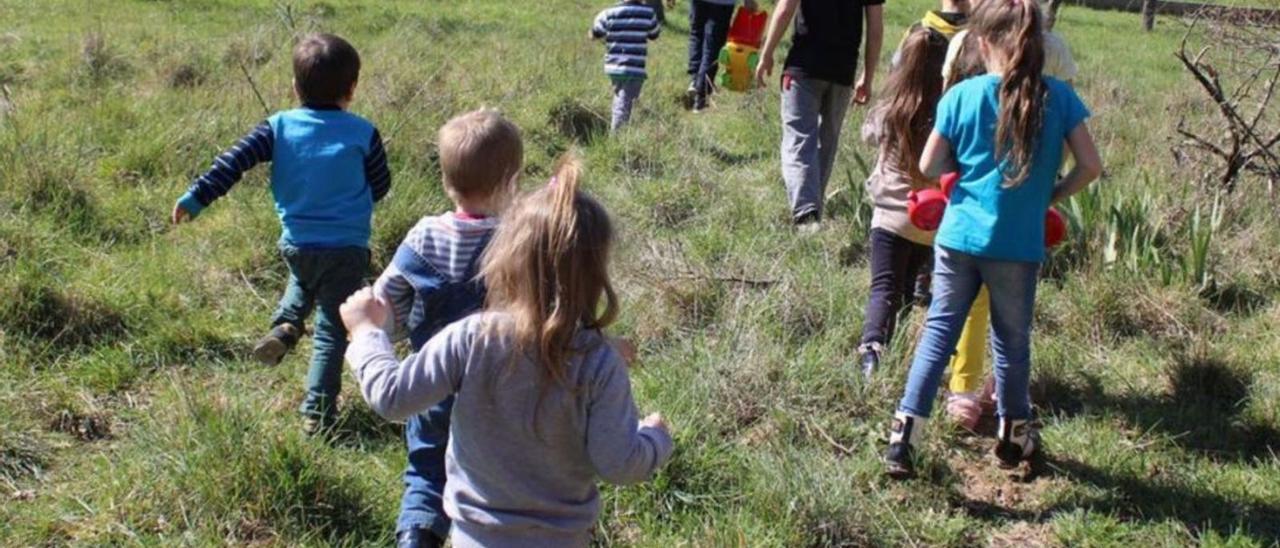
[(321, 278)]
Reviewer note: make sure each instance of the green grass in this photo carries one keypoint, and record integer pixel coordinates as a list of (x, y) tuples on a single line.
[(129, 413)]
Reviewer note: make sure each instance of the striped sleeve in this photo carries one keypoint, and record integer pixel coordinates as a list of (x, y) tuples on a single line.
[(656, 28), (394, 289), (598, 29), (375, 168), (229, 167)]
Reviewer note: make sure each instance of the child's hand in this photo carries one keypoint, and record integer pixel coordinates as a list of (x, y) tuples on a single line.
[(363, 311), (625, 348), (179, 215), (862, 90), (654, 420)]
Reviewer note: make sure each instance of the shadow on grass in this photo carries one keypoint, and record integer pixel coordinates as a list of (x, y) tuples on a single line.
[(1201, 411), (359, 427)]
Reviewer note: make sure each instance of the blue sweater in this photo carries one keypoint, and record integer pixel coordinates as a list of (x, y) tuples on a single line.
[(626, 29), (328, 167)]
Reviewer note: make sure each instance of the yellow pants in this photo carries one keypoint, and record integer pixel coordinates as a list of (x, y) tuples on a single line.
[(967, 368)]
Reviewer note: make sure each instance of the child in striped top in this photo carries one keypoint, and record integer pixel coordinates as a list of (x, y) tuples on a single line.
[(432, 282), (626, 30)]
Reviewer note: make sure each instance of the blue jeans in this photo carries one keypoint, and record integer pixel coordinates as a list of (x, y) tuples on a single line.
[(427, 437), (708, 32), (956, 279), (321, 278)]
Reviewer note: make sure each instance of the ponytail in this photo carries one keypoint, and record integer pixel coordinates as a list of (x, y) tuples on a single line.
[(1014, 28), (548, 268)]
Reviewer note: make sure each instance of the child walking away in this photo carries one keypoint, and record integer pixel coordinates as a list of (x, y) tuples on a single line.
[(626, 30), (542, 401), (709, 22), (899, 125), (947, 22), (328, 168), (1004, 133), (433, 281), (970, 389), (817, 84)]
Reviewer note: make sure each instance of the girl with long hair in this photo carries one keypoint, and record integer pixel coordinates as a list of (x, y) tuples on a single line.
[(1004, 133), (542, 401), (899, 125)]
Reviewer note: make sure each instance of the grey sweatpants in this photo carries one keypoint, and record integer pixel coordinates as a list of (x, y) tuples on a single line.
[(812, 114), (625, 93)]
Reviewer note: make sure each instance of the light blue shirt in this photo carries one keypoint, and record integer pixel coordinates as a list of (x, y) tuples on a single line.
[(984, 217)]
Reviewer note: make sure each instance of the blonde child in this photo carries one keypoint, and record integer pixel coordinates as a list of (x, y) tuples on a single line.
[(542, 401), (432, 282), (1004, 133)]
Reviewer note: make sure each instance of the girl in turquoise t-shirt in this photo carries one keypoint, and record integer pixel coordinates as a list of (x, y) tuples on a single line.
[(1004, 132)]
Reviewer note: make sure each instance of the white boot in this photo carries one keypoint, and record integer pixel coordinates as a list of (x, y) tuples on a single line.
[(903, 435), (1017, 440)]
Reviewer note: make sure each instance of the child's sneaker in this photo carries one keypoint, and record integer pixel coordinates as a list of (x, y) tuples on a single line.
[(1017, 441), (270, 349), (923, 295), (315, 425), (903, 434), (869, 357), (965, 409)]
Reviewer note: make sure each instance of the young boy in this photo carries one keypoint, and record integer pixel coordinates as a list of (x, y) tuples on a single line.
[(817, 84), (431, 282), (709, 22), (626, 30), (947, 21), (328, 168)]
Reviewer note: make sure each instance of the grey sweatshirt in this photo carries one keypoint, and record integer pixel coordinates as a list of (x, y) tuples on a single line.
[(524, 453)]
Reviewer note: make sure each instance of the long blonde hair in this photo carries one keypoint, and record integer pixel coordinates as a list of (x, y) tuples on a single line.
[(1014, 27), (548, 269)]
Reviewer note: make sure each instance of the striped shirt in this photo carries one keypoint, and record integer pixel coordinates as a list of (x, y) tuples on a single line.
[(448, 243), (626, 29), (257, 147)]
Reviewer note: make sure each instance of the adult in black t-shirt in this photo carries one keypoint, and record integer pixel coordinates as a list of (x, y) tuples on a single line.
[(818, 83)]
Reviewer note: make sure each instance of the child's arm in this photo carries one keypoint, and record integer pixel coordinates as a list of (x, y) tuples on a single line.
[(1088, 164), (936, 158), (397, 391), (655, 28), (394, 289), (597, 26), (782, 14), (622, 448), (871, 58), (227, 170), (375, 168)]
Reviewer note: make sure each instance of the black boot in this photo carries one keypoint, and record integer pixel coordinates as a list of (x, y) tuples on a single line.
[(1016, 441), (903, 433)]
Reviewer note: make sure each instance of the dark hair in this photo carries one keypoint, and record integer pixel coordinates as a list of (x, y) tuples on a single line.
[(911, 96), (1013, 28), (325, 68)]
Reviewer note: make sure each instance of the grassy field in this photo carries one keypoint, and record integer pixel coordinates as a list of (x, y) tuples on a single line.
[(130, 413)]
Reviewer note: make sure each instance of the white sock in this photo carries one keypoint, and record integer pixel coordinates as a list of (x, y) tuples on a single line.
[(906, 428)]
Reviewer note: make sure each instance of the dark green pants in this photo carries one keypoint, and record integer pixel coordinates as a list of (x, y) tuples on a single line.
[(321, 278)]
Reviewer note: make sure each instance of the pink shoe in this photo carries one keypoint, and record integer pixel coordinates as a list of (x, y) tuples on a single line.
[(964, 410)]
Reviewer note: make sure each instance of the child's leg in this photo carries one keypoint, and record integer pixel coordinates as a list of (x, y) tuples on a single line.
[(625, 93), (801, 101), (427, 436), (955, 284), (968, 371), (1013, 296), (890, 258), (835, 103), (343, 273), (697, 28), (297, 302)]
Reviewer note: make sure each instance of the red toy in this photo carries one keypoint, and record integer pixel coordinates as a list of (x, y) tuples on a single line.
[(747, 28), (925, 209), (1055, 227)]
